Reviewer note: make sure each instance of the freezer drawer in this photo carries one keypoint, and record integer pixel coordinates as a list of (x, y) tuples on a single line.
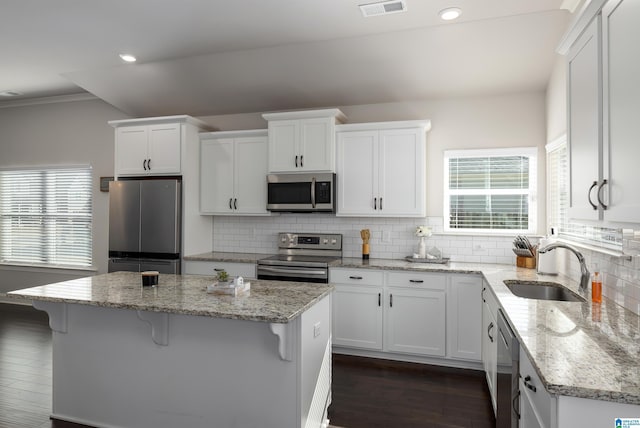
[(140, 265)]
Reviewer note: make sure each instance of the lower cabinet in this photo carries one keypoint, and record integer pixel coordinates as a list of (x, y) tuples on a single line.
[(489, 342), (538, 408), (415, 322), (407, 312)]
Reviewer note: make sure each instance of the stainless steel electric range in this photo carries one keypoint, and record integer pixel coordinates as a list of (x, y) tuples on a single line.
[(302, 257)]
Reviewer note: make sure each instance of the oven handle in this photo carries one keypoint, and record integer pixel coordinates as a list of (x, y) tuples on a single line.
[(313, 192), (292, 270)]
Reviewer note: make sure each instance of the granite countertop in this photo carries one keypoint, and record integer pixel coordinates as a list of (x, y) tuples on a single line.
[(223, 256), (578, 349), (267, 301)]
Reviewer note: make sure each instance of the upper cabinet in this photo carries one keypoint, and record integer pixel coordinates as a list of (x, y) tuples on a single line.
[(603, 77), (233, 170), (381, 169), (152, 146), (302, 141)]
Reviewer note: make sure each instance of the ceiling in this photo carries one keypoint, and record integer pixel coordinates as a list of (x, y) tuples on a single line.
[(206, 57)]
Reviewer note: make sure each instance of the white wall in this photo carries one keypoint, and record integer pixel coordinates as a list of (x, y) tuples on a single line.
[(66, 133), (556, 102)]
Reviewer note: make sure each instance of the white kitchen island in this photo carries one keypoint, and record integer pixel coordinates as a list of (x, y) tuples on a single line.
[(175, 356)]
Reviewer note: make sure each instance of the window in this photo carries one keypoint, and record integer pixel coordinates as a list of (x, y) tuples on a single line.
[(490, 190), (557, 185), (45, 216)]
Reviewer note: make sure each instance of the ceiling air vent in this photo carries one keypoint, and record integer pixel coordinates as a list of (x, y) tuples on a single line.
[(383, 8)]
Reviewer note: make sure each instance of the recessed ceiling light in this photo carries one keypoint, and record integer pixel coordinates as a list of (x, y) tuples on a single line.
[(383, 8), (128, 57), (10, 93), (450, 13)]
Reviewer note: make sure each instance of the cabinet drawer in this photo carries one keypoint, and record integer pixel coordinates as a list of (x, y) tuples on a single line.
[(543, 403), (432, 281), (247, 270), (356, 276)]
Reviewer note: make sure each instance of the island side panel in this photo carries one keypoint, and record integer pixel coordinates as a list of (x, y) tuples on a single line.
[(212, 372), (316, 362)]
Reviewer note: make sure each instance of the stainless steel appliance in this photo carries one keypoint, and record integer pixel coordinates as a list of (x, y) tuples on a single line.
[(145, 225), (302, 257), (508, 374), (301, 192)]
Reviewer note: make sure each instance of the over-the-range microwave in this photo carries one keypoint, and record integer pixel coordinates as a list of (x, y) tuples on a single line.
[(301, 192)]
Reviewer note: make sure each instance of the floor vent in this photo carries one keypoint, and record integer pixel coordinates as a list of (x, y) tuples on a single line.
[(383, 8)]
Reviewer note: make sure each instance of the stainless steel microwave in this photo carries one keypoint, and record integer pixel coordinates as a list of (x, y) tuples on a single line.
[(301, 192)]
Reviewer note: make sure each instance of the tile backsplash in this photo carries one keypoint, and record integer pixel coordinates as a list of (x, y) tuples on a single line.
[(391, 238)]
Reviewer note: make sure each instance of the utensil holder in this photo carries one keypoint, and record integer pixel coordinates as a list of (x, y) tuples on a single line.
[(527, 262)]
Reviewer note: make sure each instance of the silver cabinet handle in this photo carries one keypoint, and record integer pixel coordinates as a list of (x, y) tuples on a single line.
[(296, 161), (595, 207), (604, 207), (313, 191)]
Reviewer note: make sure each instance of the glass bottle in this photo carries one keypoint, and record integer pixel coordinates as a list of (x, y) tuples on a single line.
[(596, 288)]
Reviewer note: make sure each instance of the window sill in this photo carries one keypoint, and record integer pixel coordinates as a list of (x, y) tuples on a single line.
[(46, 268)]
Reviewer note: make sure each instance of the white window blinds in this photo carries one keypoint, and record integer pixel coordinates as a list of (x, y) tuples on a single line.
[(557, 185), (45, 216), (490, 190)]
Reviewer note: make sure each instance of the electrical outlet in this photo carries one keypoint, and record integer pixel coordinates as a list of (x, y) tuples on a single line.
[(386, 236), (316, 329)]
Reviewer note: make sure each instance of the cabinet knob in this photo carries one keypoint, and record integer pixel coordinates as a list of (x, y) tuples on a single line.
[(528, 384)]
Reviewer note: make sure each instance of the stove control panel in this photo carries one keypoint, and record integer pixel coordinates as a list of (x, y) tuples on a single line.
[(310, 241)]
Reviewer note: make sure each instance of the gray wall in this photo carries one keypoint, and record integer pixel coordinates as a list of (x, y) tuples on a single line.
[(65, 133)]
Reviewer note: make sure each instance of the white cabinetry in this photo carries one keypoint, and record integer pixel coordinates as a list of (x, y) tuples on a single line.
[(381, 169), (537, 406), (603, 99), (302, 141), (245, 270), (585, 123), (621, 76), (233, 168), (464, 317), (357, 308), (151, 146), (489, 342)]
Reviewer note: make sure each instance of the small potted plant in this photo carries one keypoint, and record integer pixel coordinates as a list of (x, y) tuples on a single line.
[(223, 277)]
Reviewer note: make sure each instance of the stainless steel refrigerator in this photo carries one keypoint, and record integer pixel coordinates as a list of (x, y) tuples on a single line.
[(145, 225)]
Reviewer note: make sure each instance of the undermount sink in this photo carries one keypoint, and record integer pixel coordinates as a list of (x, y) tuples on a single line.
[(542, 290)]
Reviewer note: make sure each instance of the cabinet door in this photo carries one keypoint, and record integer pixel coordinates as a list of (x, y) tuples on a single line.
[(489, 350), (317, 144), (622, 103), (283, 146), (584, 123), (357, 316), (464, 317), (357, 172), (131, 150), (216, 176), (250, 190), (415, 321), (164, 152), (402, 173), (528, 417)]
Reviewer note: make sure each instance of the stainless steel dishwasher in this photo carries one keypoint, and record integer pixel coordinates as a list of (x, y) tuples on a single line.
[(508, 373)]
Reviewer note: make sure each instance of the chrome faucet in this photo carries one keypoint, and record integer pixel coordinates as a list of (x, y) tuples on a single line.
[(585, 275)]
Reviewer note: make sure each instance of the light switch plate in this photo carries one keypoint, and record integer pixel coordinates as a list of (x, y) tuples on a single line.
[(316, 329)]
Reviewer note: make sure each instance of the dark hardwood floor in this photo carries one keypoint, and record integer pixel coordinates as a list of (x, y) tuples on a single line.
[(366, 393)]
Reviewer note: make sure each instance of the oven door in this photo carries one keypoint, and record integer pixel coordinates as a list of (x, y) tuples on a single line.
[(293, 273), (301, 192)]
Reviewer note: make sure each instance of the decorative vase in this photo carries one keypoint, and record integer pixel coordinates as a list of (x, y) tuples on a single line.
[(422, 248)]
